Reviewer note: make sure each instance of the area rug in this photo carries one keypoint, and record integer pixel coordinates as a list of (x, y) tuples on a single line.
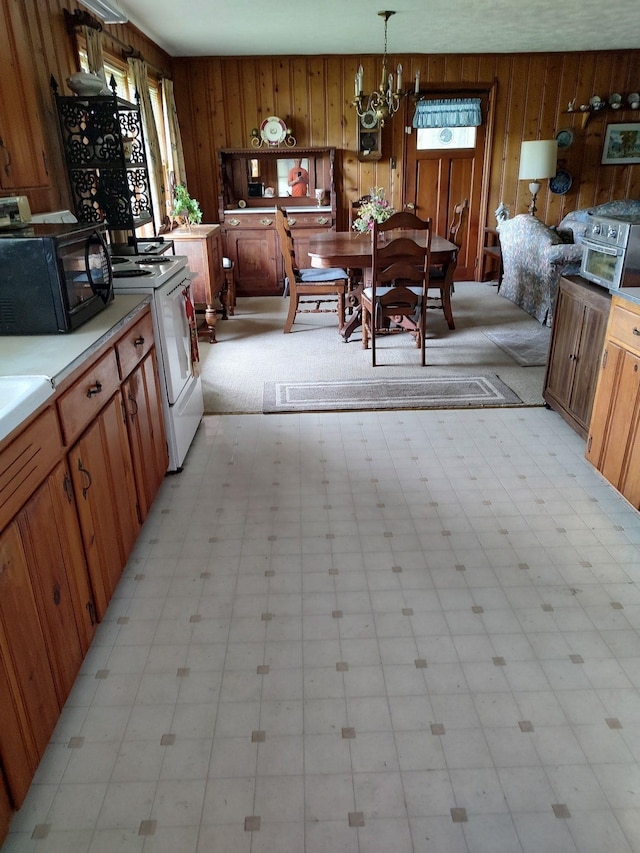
[(444, 392), (530, 347)]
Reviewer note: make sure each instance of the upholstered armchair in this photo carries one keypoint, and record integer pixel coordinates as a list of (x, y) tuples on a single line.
[(535, 256)]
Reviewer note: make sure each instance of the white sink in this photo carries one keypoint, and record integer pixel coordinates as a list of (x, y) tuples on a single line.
[(19, 397)]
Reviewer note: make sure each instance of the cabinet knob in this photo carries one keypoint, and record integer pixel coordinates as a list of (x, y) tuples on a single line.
[(139, 342), (266, 221), (636, 331), (322, 220), (233, 222), (94, 389), (87, 476), (291, 222)]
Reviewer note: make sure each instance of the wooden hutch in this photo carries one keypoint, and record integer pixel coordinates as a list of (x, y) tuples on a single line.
[(253, 182)]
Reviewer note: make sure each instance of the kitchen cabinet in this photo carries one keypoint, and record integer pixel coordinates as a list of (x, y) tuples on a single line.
[(23, 162), (248, 219), (102, 474), (579, 324), (613, 445), (32, 700), (202, 244), (49, 530), (75, 482), (145, 426)]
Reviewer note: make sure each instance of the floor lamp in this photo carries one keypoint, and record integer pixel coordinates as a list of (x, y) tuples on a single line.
[(538, 161)]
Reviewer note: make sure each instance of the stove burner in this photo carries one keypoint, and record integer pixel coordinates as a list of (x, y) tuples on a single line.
[(135, 273), (153, 259), (116, 260)]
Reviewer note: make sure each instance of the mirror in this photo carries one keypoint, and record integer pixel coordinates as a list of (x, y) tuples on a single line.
[(293, 177)]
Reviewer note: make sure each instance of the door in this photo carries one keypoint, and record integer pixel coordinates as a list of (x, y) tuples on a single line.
[(175, 336), (444, 174)]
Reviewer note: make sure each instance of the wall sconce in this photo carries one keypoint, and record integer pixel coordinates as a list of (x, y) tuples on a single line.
[(538, 161)]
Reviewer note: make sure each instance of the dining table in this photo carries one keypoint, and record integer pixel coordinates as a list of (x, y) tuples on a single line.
[(352, 250)]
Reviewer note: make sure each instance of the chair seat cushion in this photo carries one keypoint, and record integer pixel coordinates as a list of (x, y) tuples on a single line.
[(310, 275), (382, 291)]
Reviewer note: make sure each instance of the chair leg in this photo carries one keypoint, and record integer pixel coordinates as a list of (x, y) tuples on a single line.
[(340, 311), (365, 326), (445, 293), (293, 307)]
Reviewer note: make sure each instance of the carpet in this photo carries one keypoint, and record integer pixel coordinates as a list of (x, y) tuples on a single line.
[(530, 347), (443, 392)]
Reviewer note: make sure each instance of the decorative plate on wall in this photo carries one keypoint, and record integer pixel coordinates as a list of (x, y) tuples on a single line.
[(561, 182), (564, 138), (273, 130)]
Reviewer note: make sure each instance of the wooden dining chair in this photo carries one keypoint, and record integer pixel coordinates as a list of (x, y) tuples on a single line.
[(322, 286), (441, 276), (396, 300)]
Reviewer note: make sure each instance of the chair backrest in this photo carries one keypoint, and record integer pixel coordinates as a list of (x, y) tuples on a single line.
[(286, 247), (456, 221), (404, 257)]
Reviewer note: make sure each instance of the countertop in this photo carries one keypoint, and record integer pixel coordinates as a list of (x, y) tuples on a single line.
[(290, 210), (57, 356)]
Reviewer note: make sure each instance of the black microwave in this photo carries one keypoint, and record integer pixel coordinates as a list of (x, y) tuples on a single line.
[(53, 278)]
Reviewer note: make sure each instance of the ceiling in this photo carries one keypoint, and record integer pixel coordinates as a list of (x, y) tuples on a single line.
[(295, 27)]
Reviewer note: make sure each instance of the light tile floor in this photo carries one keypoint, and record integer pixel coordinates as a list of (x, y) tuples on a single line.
[(395, 631)]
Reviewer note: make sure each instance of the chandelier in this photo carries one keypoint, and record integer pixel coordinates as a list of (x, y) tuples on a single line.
[(386, 100)]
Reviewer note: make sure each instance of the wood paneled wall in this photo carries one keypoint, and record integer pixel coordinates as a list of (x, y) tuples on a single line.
[(41, 48), (220, 100)]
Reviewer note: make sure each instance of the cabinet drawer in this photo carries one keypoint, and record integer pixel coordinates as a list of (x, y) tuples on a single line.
[(309, 220), (133, 347), (81, 403), (254, 220), (26, 462), (624, 326)]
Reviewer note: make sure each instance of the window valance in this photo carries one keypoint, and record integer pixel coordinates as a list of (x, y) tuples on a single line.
[(448, 112)]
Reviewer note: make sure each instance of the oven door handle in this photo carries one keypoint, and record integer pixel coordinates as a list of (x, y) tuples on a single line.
[(104, 290), (599, 247)]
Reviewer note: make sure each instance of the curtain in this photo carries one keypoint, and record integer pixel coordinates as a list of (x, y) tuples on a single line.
[(174, 139), (95, 58), (448, 112), (138, 69)]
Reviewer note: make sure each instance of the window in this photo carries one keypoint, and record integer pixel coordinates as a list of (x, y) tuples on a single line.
[(435, 138)]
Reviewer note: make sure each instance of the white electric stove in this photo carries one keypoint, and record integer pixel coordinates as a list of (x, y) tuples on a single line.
[(167, 279)]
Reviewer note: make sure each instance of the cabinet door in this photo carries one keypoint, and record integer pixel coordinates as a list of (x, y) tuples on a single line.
[(566, 330), (6, 810), (145, 425), (622, 413), (587, 363), (104, 486), (22, 152), (253, 251), (28, 701), (51, 536), (604, 403)]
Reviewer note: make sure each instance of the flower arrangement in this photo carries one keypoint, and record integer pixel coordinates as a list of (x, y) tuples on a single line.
[(377, 209)]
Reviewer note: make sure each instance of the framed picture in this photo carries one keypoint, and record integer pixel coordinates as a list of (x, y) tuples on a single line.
[(622, 144)]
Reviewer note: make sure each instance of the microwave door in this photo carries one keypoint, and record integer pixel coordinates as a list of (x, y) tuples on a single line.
[(602, 264), (98, 266)]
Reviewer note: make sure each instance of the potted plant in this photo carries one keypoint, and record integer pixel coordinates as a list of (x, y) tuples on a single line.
[(185, 207)]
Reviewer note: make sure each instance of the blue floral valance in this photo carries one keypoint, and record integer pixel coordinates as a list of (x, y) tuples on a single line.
[(448, 112)]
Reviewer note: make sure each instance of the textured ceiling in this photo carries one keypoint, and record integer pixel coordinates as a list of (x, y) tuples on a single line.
[(293, 27)]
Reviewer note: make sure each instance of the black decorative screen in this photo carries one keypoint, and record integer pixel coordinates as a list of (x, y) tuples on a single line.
[(104, 150)]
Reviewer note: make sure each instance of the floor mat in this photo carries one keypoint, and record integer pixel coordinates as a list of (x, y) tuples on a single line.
[(530, 347), (348, 395)]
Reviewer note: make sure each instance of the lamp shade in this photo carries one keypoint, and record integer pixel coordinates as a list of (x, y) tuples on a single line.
[(538, 159)]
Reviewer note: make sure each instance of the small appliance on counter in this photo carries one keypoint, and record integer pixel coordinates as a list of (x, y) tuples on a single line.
[(53, 278), (14, 212), (611, 252)]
